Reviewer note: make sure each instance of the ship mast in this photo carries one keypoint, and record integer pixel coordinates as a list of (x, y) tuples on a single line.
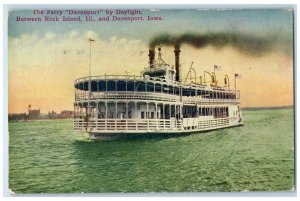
[(89, 87)]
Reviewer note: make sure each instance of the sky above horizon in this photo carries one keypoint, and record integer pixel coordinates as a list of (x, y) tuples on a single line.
[(46, 57)]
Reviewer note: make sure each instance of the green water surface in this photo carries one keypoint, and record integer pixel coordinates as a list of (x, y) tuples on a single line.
[(49, 157)]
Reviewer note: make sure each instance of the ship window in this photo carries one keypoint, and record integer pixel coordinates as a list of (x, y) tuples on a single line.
[(93, 86), (140, 86), (166, 89), (176, 91), (150, 87), (143, 115), (206, 94), (86, 86), (102, 86), (111, 86), (152, 115), (171, 90), (186, 92), (193, 92), (158, 88), (121, 86), (130, 86), (79, 86)]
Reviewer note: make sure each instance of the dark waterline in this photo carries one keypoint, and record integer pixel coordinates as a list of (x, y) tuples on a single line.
[(49, 157)]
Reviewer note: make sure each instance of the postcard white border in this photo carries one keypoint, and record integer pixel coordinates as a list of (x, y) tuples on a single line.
[(114, 3)]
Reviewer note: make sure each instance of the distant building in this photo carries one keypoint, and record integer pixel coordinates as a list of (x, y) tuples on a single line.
[(67, 114), (33, 114), (53, 115)]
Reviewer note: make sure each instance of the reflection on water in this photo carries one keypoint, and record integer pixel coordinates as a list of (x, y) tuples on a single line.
[(49, 157)]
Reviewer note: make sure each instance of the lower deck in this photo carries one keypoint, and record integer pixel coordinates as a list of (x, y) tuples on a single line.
[(115, 117)]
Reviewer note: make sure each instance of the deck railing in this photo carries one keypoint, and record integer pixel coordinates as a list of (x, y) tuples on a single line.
[(150, 96), (128, 95), (119, 125), (124, 77), (126, 124)]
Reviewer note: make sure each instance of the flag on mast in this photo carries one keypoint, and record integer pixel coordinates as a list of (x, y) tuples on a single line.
[(91, 40), (217, 67), (238, 76)]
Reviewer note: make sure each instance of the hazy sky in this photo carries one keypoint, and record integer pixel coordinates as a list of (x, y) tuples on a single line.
[(46, 57)]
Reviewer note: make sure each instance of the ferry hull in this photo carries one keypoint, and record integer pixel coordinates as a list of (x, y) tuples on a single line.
[(111, 135)]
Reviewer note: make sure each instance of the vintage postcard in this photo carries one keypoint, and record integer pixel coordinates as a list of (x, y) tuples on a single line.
[(140, 100)]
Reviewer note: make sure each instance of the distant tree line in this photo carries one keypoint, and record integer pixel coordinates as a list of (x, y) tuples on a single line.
[(18, 117)]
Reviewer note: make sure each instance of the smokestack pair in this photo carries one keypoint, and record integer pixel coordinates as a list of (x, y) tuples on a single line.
[(177, 54)]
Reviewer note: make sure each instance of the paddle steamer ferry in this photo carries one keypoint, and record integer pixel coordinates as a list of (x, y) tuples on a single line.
[(156, 102)]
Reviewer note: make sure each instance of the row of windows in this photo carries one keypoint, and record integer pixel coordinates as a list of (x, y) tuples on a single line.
[(217, 112), (149, 87)]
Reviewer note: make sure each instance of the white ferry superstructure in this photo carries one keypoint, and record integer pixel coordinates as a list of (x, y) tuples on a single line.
[(156, 102)]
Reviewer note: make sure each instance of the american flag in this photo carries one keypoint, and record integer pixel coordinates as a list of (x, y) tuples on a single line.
[(238, 76)]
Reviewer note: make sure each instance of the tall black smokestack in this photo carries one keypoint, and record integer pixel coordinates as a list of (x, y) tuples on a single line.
[(151, 57), (177, 53)]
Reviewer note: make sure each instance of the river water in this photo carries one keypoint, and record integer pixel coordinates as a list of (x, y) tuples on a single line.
[(49, 157)]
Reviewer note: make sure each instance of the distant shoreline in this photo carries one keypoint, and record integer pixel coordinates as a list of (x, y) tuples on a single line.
[(48, 119), (268, 108), (34, 120)]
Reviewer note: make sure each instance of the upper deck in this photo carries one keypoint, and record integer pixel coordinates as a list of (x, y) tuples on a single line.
[(158, 82), (150, 88)]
